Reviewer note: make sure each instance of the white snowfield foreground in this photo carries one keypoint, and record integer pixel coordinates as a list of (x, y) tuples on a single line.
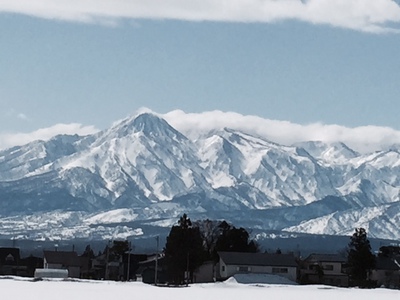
[(19, 288)]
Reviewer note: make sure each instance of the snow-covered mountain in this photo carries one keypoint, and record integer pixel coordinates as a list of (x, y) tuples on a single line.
[(143, 171)]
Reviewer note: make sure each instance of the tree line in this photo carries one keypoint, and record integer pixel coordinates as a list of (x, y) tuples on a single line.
[(190, 244)]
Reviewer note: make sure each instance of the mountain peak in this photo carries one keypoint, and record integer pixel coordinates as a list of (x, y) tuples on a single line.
[(147, 123)]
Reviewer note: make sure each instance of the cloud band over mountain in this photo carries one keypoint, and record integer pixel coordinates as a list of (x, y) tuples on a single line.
[(363, 139), (363, 15), (8, 140)]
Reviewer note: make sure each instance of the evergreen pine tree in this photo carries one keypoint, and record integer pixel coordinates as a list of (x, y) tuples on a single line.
[(88, 252), (183, 251), (360, 258)]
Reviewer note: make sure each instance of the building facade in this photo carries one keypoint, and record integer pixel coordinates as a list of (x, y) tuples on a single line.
[(326, 269), (231, 263)]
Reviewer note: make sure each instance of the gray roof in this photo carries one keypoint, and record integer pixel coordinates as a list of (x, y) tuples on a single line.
[(66, 258), (258, 259), (388, 263), (314, 257)]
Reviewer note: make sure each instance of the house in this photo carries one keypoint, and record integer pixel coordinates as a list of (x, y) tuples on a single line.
[(98, 266), (205, 273), (12, 264), (131, 262), (9, 261), (68, 260), (326, 269), (387, 271), (146, 270), (231, 263), (29, 264)]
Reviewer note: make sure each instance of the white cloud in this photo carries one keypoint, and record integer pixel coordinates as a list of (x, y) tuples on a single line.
[(12, 113), (14, 139), (22, 116), (362, 15), (363, 139)]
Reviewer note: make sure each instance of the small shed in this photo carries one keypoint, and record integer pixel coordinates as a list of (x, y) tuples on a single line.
[(51, 273)]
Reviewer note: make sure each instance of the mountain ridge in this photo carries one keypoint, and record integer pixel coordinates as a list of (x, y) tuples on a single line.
[(144, 164)]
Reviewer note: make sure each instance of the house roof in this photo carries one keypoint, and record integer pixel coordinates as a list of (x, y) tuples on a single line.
[(151, 259), (258, 259), (6, 252), (388, 263), (314, 257), (66, 258)]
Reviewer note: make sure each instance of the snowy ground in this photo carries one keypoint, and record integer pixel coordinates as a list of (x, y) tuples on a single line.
[(21, 289)]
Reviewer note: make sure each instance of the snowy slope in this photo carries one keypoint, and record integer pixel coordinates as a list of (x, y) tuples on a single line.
[(378, 221), (141, 169)]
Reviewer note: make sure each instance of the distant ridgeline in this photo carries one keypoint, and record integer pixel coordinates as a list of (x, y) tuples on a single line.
[(141, 173)]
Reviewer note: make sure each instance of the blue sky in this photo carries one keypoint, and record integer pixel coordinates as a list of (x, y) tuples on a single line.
[(297, 61)]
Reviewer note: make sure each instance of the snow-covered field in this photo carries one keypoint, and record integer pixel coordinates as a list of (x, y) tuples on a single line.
[(18, 288)]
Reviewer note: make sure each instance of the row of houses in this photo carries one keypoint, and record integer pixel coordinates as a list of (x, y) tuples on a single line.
[(328, 269), (11, 263), (128, 266)]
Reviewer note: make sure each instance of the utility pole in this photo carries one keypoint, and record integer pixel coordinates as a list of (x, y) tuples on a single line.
[(107, 257), (129, 261), (187, 269), (156, 268)]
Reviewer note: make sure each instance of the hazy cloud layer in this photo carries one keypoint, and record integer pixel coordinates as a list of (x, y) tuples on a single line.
[(363, 15), (16, 139), (363, 139)]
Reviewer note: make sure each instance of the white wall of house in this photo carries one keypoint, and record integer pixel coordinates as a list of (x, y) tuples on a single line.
[(332, 268), (329, 268), (227, 271), (73, 271), (205, 273), (332, 273), (47, 265)]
